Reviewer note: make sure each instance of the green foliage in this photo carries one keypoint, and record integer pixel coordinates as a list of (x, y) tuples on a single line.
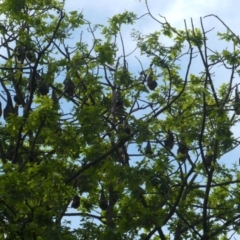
[(105, 53), (79, 120), (116, 22)]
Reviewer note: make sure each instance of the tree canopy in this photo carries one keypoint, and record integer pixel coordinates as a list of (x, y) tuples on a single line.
[(140, 153)]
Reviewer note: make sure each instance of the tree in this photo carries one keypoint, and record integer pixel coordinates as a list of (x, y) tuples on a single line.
[(137, 153)]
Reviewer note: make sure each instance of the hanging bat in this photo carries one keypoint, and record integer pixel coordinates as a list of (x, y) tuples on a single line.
[(169, 142), (119, 105), (20, 53), (68, 86), (8, 110), (150, 82), (54, 97), (148, 148), (43, 88), (75, 202), (236, 104), (208, 159), (182, 152), (17, 100), (103, 203), (32, 81), (126, 128)]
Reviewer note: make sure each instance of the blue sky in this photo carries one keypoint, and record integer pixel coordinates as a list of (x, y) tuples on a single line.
[(175, 12)]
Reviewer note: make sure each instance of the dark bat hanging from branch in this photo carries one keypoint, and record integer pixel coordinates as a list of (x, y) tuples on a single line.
[(119, 105), (148, 148), (43, 88), (17, 100), (54, 97), (208, 159), (236, 104), (169, 142), (75, 202), (19, 53), (103, 203), (32, 81), (69, 86), (152, 84), (8, 110), (119, 101), (182, 152)]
